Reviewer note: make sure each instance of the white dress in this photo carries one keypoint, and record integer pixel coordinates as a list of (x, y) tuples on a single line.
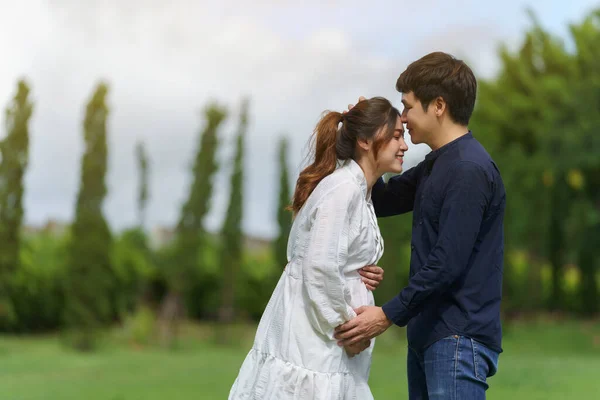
[(295, 355)]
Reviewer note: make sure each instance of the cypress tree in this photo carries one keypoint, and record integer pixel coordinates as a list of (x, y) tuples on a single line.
[(231, 233), (14, 151), (90, 279)]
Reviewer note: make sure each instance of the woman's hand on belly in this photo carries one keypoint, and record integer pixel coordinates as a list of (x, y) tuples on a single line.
[(371, 275)]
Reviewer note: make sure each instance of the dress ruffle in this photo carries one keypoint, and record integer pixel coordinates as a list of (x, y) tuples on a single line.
[(265, 377)]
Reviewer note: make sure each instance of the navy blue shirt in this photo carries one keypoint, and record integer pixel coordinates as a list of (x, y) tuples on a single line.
[(457, 197)]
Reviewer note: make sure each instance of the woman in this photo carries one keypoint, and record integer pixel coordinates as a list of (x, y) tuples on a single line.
[(334, 235)]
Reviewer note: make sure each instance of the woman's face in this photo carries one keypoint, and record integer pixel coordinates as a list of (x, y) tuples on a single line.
[(390, 156)]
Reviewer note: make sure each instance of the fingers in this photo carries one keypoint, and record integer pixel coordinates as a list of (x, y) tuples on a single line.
[(346, 334), (359, 347), (353, 331), (359, 311), (372, 268), (365, 344), (348, 326), (371, 285), (372, 271), (353, 350), (349, 337), (351, 341), (361, 98), (350, 351), (371, 275)]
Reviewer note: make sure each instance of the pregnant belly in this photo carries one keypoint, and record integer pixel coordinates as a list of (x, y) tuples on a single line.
[(359, 295)]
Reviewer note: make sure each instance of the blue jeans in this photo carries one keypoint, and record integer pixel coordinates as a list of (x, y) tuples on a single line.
[(453, 368)]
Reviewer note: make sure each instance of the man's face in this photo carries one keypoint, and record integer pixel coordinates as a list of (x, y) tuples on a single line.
[(420, 123)]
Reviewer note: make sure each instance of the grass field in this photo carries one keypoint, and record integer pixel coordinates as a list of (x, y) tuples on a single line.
[(544, 360)]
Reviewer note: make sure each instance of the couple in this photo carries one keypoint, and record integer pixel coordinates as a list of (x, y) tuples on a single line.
[(316, 336)]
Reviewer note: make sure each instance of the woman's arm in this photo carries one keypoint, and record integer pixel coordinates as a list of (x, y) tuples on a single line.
[(326, 255)]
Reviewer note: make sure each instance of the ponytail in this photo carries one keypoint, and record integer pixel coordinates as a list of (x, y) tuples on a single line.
[(326, 138)]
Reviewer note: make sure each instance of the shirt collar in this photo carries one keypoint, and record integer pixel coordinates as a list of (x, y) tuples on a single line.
[(432, 156), (358, 174)]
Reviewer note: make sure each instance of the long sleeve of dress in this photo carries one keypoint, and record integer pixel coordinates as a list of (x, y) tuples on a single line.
[(326, 255)]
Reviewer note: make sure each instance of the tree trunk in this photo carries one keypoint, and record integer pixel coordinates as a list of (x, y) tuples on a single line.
[(555, 243), (171, 311), (588, 261)]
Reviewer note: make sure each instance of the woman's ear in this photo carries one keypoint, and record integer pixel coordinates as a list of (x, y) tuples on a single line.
[(364, 144)]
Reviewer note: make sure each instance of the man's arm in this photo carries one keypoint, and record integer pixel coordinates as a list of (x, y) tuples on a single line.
[(467, 195), (397, 196)]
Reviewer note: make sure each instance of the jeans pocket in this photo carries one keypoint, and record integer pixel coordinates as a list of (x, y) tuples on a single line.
[(485, 361)]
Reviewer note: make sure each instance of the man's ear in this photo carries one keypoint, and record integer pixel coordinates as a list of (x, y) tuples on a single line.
[(439, 106)]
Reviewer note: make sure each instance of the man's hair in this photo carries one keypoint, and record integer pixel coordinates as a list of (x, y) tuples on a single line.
[(439, 74)]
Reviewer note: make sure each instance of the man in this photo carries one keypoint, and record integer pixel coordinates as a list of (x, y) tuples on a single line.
[(452, 302)]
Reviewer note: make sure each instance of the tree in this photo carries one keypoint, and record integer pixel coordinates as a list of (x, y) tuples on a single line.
[(14, 151), (231, 233), (584, 176), (185, 253), (142, 159), (539, 119), (525, 91), (284, 216), (90, 280), (133, 268)]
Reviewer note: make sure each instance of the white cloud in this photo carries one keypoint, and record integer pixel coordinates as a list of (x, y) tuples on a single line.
[(162, 67)]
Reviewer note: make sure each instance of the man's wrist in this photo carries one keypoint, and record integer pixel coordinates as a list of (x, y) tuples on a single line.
[(391, 310), (384, 318)]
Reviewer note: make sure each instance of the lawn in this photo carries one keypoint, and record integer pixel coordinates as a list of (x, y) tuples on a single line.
[(543, 360)]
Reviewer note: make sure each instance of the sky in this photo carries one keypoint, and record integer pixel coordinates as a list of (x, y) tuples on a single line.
[(164, 61)]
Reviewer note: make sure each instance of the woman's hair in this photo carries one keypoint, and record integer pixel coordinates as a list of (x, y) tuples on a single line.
[(333, 142)]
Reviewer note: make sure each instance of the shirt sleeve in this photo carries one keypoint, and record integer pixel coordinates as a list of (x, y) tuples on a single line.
[(326, 255), (397, 196), (467, 194)]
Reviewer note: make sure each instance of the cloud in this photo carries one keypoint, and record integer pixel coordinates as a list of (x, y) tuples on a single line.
[(165, 60), (163, 65)]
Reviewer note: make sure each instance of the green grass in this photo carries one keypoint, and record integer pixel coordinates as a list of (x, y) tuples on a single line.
[(544, 360)]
